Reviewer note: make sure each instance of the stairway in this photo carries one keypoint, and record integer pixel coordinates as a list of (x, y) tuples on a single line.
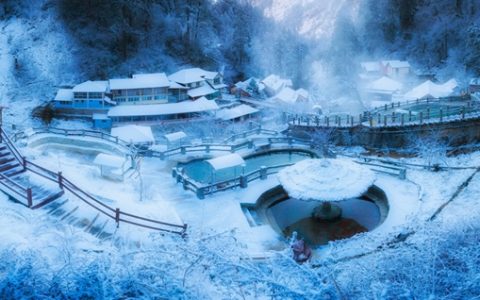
[(16, 181), (82, 217)]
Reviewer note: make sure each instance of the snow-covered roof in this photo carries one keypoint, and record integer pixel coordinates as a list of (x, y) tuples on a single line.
[(176, 86), (303, 93), (370, 66), (475, 81), (188, 106), (226, 161), (204, 90), (191, 75), (134, 134), (396, 63), (326, 179), (140, 81), (385, 84), (107, 160), (275, 82), (236, 112), (64, 95), (219, 86), (287, 95), (246, 84), (429, 89), (98, 86), (175, 136)]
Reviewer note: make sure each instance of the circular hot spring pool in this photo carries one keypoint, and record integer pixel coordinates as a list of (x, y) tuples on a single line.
[(287, 215), (200, 171)]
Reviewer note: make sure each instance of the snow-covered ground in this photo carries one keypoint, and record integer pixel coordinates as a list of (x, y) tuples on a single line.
[(220, 237)]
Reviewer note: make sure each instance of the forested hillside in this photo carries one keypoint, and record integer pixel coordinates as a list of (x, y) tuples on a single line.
[(316, 43)]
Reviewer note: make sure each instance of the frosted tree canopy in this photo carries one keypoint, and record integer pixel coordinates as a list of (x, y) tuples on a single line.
[(326, 179)]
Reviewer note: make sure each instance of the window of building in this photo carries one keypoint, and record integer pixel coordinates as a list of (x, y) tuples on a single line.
[(94, 95), (80, 95)]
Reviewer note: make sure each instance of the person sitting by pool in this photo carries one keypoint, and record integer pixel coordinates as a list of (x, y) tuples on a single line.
[(301, 251)]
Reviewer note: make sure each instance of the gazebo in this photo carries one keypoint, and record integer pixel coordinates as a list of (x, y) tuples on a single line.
[(232, 160), (326, 180)]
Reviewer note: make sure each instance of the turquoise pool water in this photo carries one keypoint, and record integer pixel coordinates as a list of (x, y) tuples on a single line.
[(201, 171)]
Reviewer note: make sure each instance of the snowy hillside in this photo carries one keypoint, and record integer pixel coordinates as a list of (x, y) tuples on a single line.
[(310, 18)]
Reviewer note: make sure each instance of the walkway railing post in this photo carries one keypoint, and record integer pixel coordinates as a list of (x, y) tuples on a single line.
[(29, 197), (402, 119), (441, 115), (379, 121), (393, 117), (463, 112), (428, 113), (328, 121), (117, 216), (24, 162), (385, 120), (409, 116), (370, 121), (263, 173), (60, 180), (421, 117)]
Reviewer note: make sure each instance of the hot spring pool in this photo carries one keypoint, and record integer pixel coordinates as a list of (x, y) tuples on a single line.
[(201, 171), (286, 215)]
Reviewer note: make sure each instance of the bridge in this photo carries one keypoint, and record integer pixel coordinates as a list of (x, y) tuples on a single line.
[(453, 121)]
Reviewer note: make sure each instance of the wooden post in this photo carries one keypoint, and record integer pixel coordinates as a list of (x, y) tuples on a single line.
[(463, 112), (328, 121), (441, 115), (386, 107), (371, 121), (351, 121), (60, 180), (421, 117), (409, 116), (317, 121), (360, 119), (24, 162), (117, 216), (393, 105), (393, 117), (379, 121), (398, 103), (402, 121), (385, 120), (428, 113), (29, 197)]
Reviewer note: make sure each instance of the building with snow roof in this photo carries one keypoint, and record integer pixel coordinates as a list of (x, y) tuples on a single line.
[(160, 112), (240, 112), (395, 68), (290, 96), (428, 89), (273, 84), (383, 89), (140, 89), (200, 83), (83, 99), (474, 85)]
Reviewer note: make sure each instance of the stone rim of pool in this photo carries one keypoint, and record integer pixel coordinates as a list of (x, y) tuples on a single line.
[(261, 212)]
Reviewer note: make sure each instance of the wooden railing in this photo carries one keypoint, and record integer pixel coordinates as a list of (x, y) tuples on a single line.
[(389, 114), (65, 184), (245, 134), (81, 133), (240, 181)]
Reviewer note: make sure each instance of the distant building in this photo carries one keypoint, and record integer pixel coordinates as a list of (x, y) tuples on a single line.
[(247, 88), (274, 84), (395, 68), (474, 85), (290, 96), (200, 83), (370, 69), (383, 89), (240, 112), (83, 99), (428, 89)]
